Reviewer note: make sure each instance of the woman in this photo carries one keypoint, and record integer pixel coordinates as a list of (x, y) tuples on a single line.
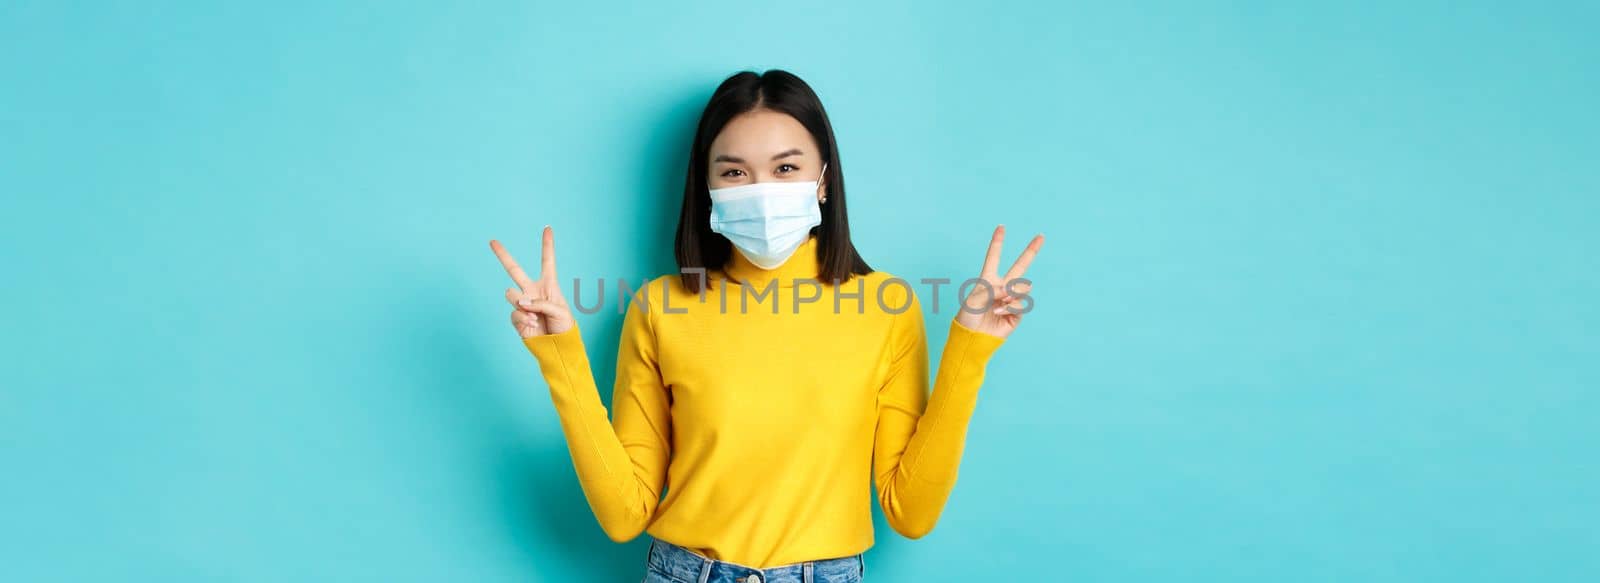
[(770, 381)]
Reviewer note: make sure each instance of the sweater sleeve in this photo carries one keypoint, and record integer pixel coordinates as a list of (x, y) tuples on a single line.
[(919, 438), (621, 463)]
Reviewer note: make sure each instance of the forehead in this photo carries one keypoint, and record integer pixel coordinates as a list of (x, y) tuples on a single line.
[(762, 131)]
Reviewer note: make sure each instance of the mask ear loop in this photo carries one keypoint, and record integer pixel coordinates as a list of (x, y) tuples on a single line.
[(823, 180)]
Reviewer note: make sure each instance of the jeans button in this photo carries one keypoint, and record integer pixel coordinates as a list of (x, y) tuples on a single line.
[(753, 578)]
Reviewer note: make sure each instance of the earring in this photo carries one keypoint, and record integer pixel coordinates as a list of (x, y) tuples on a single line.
[(824, 199)]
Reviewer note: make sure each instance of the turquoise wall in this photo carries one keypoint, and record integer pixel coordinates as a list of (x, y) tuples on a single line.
[(1318, 301)]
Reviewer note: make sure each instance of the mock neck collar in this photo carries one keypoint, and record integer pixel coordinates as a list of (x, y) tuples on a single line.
[(801, 265)]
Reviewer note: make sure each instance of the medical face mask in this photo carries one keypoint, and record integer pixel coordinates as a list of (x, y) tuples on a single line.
[(766, 221)]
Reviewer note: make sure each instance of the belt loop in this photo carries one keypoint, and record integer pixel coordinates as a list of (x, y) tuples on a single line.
[(705, 570), (805, 573)]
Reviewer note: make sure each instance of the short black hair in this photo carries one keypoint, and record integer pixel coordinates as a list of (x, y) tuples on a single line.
[(696, 245)]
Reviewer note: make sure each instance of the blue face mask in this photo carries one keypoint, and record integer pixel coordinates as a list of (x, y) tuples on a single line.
[(766, 221)]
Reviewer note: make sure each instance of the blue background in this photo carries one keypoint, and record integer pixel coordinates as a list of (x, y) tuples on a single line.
[(1318, 301)]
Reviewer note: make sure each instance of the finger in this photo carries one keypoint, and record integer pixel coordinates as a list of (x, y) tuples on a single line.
[(514, 270), (547, 257), (991, 260), (1021, 266), (545, 308), (519, 298), (523, 319), (527, 324), (1014, 288), (982, 295)]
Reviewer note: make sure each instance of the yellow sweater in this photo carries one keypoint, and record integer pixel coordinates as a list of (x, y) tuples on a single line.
[(773, 423)]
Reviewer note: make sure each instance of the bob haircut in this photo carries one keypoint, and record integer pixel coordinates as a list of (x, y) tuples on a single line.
[(696, 245)]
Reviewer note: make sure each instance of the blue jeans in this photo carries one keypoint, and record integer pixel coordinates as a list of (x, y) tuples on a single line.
[(670, 563)]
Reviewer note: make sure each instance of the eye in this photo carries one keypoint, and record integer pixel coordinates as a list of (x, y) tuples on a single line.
[(786, 168), (732, 173)]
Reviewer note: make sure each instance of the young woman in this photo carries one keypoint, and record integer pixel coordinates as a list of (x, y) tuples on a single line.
[(766, 385)]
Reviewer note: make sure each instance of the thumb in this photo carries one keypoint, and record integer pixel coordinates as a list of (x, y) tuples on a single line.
[(546, 308)]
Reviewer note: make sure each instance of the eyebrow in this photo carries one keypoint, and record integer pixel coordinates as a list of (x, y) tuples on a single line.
[(737, 160)]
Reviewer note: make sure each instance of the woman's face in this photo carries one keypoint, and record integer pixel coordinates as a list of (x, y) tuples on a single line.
[(764, 146)]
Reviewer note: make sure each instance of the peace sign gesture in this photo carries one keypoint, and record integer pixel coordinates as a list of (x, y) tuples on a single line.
[(995, 311), (537, 305)]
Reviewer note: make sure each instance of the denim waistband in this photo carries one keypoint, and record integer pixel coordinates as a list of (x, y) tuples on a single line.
[(686, 565)]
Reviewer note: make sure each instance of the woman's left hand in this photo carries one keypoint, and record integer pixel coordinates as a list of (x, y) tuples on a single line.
[(998, 310)]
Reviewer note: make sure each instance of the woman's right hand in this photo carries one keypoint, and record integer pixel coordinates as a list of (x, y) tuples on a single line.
[(537, 306)]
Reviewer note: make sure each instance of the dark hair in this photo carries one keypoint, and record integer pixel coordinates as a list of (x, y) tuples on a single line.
[(696, 245)]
